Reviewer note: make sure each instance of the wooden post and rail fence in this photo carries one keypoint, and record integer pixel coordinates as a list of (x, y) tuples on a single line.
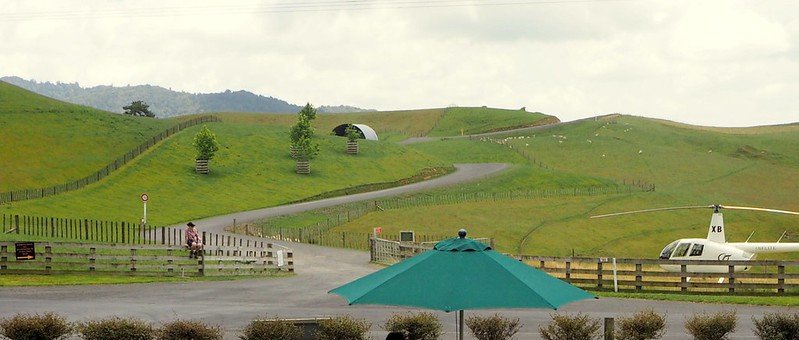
[(142, 259), (766, 277), (77, 243)]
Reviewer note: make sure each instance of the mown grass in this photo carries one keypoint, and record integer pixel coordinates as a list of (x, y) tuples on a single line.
[(48, 142), (787, 300), (252, 170), (688, 166), (457, 121)]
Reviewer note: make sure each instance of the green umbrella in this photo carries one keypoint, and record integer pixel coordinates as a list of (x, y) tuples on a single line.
[(457, 274)]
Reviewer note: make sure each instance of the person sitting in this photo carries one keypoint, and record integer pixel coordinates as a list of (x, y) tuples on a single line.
[(193, 241)]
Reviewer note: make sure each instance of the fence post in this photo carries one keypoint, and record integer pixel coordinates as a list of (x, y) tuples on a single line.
[(781, 279), (163, 235), (609, 328), (16, 223)]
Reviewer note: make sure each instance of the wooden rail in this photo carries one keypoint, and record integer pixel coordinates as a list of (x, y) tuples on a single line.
[(646, 275), (152, 260)]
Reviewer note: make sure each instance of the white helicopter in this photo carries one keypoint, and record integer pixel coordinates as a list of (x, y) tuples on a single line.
[(715, 246)]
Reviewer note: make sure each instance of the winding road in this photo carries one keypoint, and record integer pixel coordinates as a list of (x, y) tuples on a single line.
[(232, 304)]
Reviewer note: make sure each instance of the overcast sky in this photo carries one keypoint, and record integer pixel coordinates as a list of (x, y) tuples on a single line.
[(719, 63)]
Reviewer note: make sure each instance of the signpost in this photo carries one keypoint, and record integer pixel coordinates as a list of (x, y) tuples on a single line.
[(378, 231), (25, 251), (144, 199)]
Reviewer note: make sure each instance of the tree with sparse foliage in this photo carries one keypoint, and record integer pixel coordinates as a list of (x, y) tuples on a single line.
[(206, 144), (352, 133), (138, 108)]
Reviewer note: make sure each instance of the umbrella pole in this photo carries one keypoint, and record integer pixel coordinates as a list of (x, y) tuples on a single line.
[(460, 324)]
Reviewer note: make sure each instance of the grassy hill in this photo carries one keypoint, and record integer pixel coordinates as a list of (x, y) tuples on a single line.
[(688, 165), (252, 170), (47, 142)]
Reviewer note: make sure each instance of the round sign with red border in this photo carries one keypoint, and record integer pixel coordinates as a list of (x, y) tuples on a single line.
[(144, 197)]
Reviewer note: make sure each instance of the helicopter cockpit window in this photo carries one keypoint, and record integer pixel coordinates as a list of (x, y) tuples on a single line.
[(681, 250), (696, 250), (667, 251)]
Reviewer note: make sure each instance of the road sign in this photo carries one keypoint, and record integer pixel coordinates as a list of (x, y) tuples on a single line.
[(144, 197), (25, 251)]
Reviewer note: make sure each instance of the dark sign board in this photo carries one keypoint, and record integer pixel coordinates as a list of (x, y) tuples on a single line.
[(407, 236), (25, 251)]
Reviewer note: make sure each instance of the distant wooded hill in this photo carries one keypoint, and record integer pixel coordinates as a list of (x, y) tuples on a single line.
[(165, 102)]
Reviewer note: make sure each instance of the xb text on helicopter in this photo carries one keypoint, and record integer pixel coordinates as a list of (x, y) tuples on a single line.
[(715, 246)]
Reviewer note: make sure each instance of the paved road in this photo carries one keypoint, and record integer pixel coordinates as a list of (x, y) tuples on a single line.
[(233, 304)]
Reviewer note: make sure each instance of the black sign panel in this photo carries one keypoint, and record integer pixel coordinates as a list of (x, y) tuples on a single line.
[(25, 251)]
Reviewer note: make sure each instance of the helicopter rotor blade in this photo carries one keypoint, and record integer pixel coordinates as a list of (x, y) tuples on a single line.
[(656, 209), (759, 209)]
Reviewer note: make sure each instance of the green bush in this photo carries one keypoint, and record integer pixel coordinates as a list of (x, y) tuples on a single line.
[(711, 327), (116, 328), (566, 327), (777, 326), (39, 327), (494, 327), (342, 328), (641, 326), (187, 329), (415, 326), (274, 329)]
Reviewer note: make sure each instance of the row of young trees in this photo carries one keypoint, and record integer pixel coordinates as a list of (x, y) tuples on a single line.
[(303, 148)]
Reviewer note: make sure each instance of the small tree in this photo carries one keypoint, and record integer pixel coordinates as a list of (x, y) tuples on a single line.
[(138, 108), (352, 135), (206, 144), (302, 148)]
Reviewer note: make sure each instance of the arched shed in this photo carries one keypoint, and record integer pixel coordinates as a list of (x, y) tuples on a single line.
[(366, 132)]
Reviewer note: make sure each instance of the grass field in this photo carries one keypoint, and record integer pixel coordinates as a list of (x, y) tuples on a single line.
[(48, 142), (688, 165)]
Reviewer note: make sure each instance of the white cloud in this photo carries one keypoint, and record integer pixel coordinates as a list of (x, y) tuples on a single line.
[(708, 62)]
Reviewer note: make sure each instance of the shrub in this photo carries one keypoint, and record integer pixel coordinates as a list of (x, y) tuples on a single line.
[(342, 328), (777, 326), (493, 327), (565, 327), (275, 329), (26, 326), (116, 328), (415, 326), (711, 327), (206, 144), (641, 326), (186, 329)]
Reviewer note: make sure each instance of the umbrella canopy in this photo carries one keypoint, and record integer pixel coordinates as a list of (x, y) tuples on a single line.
[(458, 274)]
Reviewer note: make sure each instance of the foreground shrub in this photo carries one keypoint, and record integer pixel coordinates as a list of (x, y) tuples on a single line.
[(415, 326), (711, 327), (565, 327), (116, 328), (777, 326), (49, 326), (643, 325), (275, 329), (342, 328), (493, 327), (186, 329)]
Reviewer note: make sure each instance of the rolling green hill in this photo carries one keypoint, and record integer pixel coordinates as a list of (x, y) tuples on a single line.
[(48, 142), (688, 165), (252, 170)]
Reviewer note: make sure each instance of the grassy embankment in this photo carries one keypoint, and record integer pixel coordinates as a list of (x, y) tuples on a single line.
[(689, 165)]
